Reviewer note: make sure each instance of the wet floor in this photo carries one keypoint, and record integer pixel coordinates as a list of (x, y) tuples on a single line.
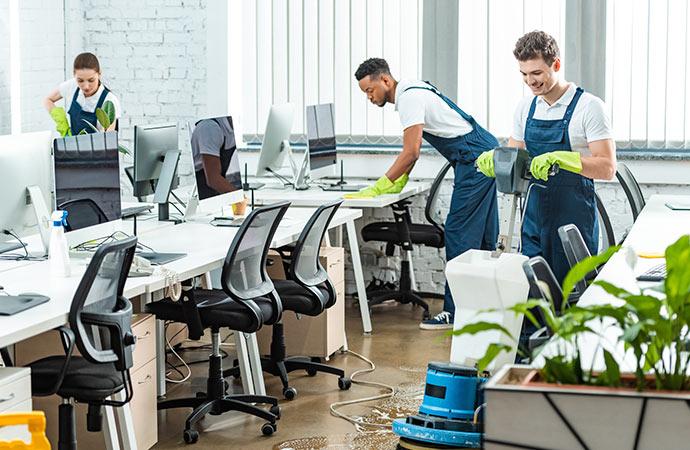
[(400, 351)]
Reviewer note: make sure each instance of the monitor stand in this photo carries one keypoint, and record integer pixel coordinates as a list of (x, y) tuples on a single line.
[(299, 174), (42, 215), (164, 186), (9, 246)]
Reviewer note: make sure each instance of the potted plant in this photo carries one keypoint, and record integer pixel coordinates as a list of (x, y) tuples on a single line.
[(565, 403), (105, 116)]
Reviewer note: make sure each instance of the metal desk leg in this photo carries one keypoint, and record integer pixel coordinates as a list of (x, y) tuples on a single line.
[(339, 236), (359, 276), (255, 364), (413, 281), (243, 361), (110, 429), (124, 417), (160, 357)]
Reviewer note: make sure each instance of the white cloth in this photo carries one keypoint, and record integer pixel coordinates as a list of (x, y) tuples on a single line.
[(68, 88), (421, 106), (590, 121)]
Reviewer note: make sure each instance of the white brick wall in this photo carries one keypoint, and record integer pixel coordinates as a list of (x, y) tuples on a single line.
[(5, 115)]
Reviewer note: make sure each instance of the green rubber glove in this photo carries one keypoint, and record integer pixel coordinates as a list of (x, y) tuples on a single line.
[(381, 185), (60, 118), (566, 160), (485, 162), (398, 184)]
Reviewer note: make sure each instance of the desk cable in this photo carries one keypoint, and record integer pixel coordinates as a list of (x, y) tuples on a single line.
[(173, 286), (172, 349), (351, 419)]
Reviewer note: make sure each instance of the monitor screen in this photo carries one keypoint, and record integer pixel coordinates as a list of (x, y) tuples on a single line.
[(87, 167), (321, 136), (151, 142)]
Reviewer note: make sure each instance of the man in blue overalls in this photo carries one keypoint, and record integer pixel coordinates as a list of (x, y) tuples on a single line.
[(472, 221), (560, 124)]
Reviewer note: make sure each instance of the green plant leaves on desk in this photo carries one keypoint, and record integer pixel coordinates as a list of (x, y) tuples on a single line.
[(104, 119)]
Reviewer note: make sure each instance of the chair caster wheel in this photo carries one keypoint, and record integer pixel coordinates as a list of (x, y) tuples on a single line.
[(191, 436), (268, 428), (289, 393), (316, 359), (275, 410), (344, 383), (311, 372), (426, 315)]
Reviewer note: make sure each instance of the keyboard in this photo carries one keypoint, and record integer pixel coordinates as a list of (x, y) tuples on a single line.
[(161, 258), (131, 211), (656, 273), (344, 187)]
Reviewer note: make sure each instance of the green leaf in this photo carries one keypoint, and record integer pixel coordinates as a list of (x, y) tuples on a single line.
[(103, 118), (492, 352), (631, 333), (613, 373), (83, 131), (478, 327), (89, 124), (581, 269), (123, 149), (558, 371), (109, 108)]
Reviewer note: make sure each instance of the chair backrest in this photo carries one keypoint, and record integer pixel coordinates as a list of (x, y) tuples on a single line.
[(244, 275), (543, 283), (606, 228), (306, 267), (81, 213), (100, 316), (576, 250), (432, 209), (631, 188)]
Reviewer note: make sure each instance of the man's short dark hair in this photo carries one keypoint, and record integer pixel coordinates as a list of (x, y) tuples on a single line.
[(536, 44), (374, 67)]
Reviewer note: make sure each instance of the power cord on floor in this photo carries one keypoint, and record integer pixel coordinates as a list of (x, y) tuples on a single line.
[(172, 349), (351, 419)]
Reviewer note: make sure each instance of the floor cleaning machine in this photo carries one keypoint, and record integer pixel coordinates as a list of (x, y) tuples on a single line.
[(451, 415)]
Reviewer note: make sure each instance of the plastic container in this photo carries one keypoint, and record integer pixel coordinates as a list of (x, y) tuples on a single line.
[(58, 253)]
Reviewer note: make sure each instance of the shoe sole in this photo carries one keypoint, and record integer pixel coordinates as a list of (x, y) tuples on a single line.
[(445, 326)]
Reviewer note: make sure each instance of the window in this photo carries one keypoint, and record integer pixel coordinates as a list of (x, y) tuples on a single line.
[(489, 82), (306, 52), (647, 82)]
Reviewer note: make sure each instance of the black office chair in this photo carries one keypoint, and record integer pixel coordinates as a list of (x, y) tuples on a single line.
[(576, 250), (308, 290), (606, 229), (404, 233), (544, 285), (248, 301), (81, 213), (631, 188), (100, 325)]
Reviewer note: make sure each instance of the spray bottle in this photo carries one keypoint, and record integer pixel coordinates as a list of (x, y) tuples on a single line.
[(58, 253)]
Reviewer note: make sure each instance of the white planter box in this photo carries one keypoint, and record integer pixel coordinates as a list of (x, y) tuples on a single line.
[(541, 417)]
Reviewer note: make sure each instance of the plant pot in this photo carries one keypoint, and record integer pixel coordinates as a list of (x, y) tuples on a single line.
[(525, 414)]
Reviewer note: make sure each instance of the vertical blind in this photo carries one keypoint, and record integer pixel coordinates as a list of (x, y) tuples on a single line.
[(490, 85), (306, 52), (647, 74)]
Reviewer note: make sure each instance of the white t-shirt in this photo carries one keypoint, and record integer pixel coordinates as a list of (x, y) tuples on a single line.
[(589, 122), (69, 87), (422, 106)]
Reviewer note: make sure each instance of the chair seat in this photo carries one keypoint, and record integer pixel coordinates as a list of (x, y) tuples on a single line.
[(296, 298), (83, 381), (230, 313), (423, 234)]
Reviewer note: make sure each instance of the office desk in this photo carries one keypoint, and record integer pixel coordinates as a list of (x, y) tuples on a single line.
[(655, 229), (206, 247), (315, 196)]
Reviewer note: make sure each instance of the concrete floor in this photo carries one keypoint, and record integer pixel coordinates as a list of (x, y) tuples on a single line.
[(397, 346)]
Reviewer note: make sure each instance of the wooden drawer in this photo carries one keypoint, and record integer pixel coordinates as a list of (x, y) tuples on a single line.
[(144, 328), (144, 407), (333, 260)]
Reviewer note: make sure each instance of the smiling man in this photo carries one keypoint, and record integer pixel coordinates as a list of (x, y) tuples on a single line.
[(561, 124), (472, 220)]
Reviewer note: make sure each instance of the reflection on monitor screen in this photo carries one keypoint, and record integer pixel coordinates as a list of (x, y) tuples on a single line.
[(87, 168), (321, 136)]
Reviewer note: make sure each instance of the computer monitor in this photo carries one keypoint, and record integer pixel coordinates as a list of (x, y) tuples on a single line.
[(25, 187), (205, 199), (321, 140), (87, 169), (156, 154), (275, 145)]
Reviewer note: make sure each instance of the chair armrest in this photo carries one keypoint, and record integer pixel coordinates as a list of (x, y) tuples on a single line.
[(538, 338), (67, 339)]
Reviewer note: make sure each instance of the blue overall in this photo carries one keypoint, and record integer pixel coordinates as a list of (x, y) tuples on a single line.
[(565, 198), (76, 114), (472, 221)]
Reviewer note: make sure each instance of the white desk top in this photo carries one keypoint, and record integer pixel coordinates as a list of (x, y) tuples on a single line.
[(655, 228), (205, 245), (315, 196)]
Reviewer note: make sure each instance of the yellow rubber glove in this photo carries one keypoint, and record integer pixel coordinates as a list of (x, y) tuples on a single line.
[(398, 184), (377, 189), (60, 118), (566, 160), (485, 162)]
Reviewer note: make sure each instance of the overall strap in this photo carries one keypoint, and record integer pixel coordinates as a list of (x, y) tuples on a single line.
[(101, 100), (573, 103), (448, 101)]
